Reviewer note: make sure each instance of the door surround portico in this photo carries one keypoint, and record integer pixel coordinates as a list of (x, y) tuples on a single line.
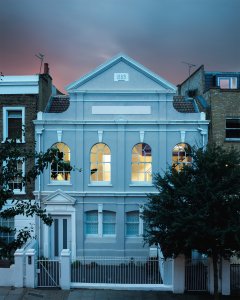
[(60, 204)]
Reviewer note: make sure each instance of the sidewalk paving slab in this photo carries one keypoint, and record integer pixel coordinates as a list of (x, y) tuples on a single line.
[(11, 293)]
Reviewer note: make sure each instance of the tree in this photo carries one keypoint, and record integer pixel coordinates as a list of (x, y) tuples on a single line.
[(198, 207), (13, 155)]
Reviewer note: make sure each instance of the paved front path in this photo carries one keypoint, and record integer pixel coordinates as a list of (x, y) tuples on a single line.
[(8, 293)]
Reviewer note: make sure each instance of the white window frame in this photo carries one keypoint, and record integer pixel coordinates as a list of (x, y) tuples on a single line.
[(140, 224), (230, 79), (144, 182), (180, 164), (9, 236), (230, 138), (100, 213), (100, 182), (60, 182), (20, 191), (5, 122)]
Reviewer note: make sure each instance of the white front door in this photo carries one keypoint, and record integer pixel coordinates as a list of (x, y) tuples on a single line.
[(60, 235)]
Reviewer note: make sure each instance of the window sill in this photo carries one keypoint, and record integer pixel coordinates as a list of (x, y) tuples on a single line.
[(15, 192), (60, 183), (141, 184), (17, 141), (232, 140), (95, 237), (100, 184)]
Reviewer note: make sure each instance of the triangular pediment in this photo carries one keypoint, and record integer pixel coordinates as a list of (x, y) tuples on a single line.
[(121, 73), (59, 198)]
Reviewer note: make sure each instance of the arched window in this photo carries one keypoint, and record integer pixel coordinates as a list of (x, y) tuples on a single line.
[(100, 163), (61, 171), (142, 163), (181, 156)]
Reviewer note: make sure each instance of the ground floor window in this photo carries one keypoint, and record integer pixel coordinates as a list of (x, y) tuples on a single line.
[(132, 223), (7, 237), (100, 222)]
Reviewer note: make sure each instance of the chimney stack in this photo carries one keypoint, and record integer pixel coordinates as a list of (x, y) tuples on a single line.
[(46, 69)]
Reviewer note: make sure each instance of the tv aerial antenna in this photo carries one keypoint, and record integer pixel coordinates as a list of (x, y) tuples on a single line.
[(189, 65), (41, 57)]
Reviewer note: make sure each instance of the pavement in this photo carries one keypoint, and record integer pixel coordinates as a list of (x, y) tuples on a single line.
[(11, 293)]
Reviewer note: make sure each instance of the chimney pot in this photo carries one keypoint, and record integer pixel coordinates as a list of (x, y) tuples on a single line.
[(46, 69)]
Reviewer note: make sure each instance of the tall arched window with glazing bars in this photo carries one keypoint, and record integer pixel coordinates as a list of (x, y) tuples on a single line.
[(141, 163), (100, 163), (181, 156), (61, 171)]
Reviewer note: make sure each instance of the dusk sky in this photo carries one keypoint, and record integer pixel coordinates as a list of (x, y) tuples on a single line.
[(78, 35)]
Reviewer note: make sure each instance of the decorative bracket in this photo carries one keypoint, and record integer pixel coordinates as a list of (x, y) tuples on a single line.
[(141, 136), (100, 136), (59, 135), (183, 135)]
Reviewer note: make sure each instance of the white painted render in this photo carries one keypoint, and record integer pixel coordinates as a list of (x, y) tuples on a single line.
[(28, 84), (121, 110), (120, 114)]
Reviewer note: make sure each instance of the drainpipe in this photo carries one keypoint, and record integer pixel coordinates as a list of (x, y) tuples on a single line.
[(39, 134)]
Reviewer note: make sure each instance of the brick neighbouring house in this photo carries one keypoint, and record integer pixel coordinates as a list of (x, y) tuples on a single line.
[(218, 94), (21, 98)]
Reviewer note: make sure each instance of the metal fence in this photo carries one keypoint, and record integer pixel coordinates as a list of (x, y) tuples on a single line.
[(48, 273), (197, 275), (117, 270), (235, 278)]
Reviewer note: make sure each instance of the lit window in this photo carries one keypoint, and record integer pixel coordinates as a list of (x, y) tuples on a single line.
[(109, 222), (132, 223), (100, 163), (181, 156), (233, 128), (91, 222), (13, 123), (7, 237), (142, 163), (227, 82), (61, 171)]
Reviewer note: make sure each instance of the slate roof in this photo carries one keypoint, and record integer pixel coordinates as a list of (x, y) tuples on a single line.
[(58, 104), (183, 105)]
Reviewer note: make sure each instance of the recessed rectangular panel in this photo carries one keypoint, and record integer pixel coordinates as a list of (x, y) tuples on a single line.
[(121, 110), (64, 233), (56, 249)]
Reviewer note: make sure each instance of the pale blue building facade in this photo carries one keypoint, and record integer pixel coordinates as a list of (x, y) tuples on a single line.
[(120, 128)]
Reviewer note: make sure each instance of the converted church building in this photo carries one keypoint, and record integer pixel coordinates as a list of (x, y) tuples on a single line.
[(119, 124)]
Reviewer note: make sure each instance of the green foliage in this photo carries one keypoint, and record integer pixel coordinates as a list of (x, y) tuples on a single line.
[(199, 207), (11, 154)]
